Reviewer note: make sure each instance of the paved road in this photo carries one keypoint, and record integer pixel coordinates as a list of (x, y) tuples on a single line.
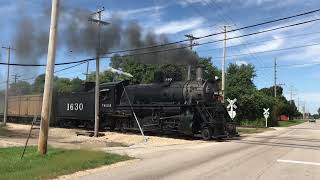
[(288, 153)]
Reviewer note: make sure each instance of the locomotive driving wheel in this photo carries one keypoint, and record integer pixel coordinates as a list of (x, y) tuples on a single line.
[(206, 133)]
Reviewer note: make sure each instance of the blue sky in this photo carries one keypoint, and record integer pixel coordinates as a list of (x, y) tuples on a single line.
[(201, 17)]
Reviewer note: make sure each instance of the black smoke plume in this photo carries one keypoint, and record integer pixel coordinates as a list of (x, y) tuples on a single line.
[(159, 54), (79, 35)]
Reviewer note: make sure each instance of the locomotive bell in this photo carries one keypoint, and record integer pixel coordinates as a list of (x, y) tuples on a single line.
[(199, 73)]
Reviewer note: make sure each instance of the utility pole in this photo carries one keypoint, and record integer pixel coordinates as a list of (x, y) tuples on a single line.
[(191, 39), (15, 77), (223, 68), (46, 102), (291, 94), (87, 74), (5, 112), (275, 77), (97, 88), (303, 110)]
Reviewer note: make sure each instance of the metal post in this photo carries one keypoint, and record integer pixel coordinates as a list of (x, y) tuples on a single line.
[(44, 125), (223, 68), (266, 122)]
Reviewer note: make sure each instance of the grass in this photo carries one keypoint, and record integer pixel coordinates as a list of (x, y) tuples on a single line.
[(289, 123), (57, 162), (246, 130), (259, 123)]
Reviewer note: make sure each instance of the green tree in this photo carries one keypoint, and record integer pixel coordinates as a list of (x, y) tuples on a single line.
[(210, 71), (239, 84), (20, 88), (61, 85), (38, 84), (76, 84)]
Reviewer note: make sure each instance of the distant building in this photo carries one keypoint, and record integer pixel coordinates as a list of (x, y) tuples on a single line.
[(283, 118)]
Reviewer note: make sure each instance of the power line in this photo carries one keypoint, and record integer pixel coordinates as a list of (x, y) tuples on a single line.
[(210, 42), (258, 52), (260, 32), (34, 77), (244, 42), (170, 49), (57, 64), (214, 34), (274, 39), (290, 65)]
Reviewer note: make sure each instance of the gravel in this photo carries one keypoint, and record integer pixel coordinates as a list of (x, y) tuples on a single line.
[(68, 138)]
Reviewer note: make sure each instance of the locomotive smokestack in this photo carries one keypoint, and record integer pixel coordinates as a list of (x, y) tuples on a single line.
[(199, 73), (189, 73)]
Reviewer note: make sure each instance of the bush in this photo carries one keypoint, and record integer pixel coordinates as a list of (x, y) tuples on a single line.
[(259, 123)]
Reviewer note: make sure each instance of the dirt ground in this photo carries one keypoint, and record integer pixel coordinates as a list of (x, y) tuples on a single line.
[(68, 138)]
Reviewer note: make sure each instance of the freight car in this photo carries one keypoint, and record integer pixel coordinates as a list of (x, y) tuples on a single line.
[(186, 107), (22, 108)]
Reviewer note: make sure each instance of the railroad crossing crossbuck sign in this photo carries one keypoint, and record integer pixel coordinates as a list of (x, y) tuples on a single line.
[(266, 115), (232, 107)]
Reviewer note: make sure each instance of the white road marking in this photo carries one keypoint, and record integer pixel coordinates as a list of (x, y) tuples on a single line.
[(298, 162)]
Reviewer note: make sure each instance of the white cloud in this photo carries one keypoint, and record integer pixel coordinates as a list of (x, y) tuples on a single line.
[(241, 62), (309, 54), (244, 3), (179, 26), (199, 32), (140, 11), (312, 52), (268, 46), (187, 2)]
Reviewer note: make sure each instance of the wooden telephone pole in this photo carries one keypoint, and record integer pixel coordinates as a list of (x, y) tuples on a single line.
[(5, 112), (97, 88), (46, 102)]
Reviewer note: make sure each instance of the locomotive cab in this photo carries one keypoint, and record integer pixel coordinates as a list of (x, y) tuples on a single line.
[(110, 95)]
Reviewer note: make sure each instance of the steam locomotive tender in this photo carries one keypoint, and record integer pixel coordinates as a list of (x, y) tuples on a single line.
[(188, 107)]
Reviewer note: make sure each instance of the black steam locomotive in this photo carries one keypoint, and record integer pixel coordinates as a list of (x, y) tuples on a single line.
[(187, 107)]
